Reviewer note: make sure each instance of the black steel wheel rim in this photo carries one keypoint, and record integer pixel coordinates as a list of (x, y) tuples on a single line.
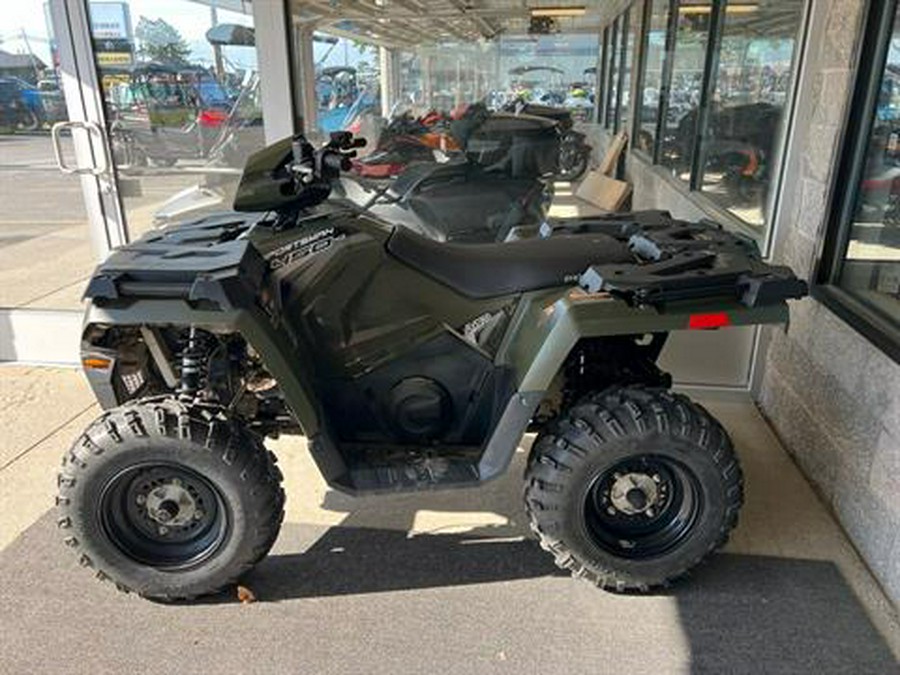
[(624, 516), (164, 515)]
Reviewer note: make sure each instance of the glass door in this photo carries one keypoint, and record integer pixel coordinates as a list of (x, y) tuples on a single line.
[(155, 103), (48, 242)]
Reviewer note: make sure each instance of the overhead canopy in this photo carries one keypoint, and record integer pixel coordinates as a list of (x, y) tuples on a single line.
[(407, 23)]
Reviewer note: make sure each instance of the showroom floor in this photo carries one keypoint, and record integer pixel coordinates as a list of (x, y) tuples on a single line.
[(410, 584)]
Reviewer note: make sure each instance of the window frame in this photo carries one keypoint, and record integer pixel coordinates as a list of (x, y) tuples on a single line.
[(600, 96), (624, 29), (611, 70), (871, 62), (639, 74)]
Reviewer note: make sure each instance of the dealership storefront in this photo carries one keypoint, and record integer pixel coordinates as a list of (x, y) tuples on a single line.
[(165, 100), (777, 119)]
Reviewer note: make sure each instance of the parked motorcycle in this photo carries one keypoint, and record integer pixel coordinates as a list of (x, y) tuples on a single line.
[(405, 140)]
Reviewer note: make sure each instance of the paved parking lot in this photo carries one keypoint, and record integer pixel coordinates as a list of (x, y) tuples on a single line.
[(441, 582)]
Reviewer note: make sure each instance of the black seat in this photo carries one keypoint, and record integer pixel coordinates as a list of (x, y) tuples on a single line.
[(489, 270)]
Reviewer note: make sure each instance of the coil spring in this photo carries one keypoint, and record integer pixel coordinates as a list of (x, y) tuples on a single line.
[(193, 365)]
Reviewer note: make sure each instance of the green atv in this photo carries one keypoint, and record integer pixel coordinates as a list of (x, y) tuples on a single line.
[(409, 365)]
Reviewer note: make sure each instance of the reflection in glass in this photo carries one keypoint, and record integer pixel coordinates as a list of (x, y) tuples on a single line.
[(871, 269), (45, 248), (181, 88), (347, 82), (752, 84), (652, 81), (680, 123)]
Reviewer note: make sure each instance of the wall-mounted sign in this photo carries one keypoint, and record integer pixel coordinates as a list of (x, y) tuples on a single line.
[(114, 59), (111, 20), (111, 32)]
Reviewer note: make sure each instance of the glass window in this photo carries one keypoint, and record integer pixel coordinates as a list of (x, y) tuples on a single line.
[(347, 82), (181, 86), (654, 58), (680, 124), (630, 26), (612, 76), (752, 86), (869, 268), (403, 84)]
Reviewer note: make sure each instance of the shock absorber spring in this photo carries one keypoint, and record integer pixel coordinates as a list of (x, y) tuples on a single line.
[(193, 365)]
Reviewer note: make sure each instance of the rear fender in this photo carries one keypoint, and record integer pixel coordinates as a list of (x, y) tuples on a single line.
[(547, 326)]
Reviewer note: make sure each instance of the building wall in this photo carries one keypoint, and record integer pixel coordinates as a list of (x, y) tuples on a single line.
[(833, 398)]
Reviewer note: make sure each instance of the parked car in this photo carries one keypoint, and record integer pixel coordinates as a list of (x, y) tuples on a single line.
[(20, 105)]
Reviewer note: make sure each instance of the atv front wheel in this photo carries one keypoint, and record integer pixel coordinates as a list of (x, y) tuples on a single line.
[(633, 487), (169, 500)]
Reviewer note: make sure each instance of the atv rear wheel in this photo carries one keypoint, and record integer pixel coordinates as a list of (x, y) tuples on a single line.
[(633, 487), (574, 163), (169, 500)]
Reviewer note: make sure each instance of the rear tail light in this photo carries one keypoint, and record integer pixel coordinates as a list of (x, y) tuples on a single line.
[(212, 118), (708, 321)]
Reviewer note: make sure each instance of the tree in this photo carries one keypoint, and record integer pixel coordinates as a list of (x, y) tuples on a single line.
[(160, 41)]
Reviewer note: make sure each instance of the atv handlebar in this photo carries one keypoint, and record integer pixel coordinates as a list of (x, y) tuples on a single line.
[(323, 165)]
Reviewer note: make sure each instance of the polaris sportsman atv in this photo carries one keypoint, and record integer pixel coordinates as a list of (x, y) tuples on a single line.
[(409, 365)]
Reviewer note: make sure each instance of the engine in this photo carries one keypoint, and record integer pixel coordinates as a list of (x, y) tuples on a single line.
[(132, 362)]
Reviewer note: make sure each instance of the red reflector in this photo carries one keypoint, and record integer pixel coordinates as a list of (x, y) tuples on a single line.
[(704, 321)]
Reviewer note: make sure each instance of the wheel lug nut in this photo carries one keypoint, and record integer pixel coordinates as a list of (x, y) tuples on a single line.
[(141, 500), (176, 481), (650, 513), (163, 530), (611, 510), (656, 478), (198, 514)]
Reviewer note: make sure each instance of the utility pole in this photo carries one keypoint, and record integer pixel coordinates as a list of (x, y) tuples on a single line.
[(217, 49), (37, 74)]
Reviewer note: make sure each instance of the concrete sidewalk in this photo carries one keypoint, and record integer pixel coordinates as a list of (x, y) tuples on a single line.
[(441, 581)]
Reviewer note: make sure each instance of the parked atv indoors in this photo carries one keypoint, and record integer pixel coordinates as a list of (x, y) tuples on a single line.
[(499, 187), (409, 365), (574, 151)]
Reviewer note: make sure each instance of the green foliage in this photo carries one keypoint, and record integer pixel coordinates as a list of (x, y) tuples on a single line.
[(160, 41)]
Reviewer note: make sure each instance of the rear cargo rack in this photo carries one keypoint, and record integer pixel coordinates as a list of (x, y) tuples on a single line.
[(677, 260)]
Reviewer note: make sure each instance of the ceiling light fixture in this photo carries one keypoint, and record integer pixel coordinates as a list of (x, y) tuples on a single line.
[(558, 11), (729, 9)]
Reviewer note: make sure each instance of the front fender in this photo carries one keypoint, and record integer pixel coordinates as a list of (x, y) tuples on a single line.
[(281, 358)]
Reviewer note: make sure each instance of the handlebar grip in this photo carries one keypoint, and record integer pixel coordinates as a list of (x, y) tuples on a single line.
[(336, 162)]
